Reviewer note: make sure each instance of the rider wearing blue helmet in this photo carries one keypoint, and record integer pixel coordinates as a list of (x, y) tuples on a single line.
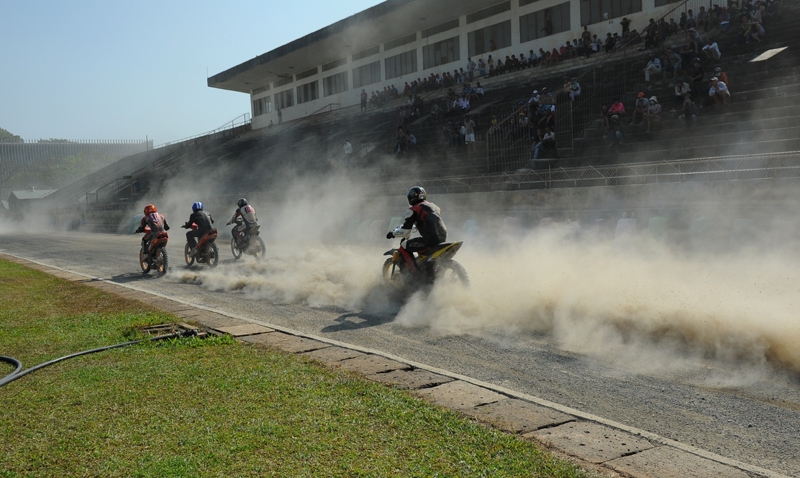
[(203, 221)]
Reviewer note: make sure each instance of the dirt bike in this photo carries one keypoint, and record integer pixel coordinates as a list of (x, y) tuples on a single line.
[(434, 264), (249, 243), (156, 256), (206, 251)]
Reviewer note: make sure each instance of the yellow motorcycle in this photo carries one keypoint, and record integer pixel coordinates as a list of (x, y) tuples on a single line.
[(434, 264)]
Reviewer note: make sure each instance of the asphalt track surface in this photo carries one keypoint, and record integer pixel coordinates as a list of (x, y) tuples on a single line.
[(756, 422)]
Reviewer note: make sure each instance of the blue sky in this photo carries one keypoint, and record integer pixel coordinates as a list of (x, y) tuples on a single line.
[(89, 69)]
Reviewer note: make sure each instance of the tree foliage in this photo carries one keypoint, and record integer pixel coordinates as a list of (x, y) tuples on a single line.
[(8, 137)]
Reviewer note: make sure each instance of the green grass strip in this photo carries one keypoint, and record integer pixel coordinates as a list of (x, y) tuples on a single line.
[(214, 407)]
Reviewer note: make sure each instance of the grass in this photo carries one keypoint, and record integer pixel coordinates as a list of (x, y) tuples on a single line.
[(213, 407)]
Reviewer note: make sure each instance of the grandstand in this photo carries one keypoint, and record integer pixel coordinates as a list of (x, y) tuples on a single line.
[(754, 137)]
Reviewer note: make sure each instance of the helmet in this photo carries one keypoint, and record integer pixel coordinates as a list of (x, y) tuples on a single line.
[(198, 206), (150, 209), (242, 202), (416, 195)]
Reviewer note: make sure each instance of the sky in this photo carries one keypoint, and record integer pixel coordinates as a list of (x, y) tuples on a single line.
[(112, 70)]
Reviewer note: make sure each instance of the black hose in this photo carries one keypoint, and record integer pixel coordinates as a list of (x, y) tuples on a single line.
[(17, 374)]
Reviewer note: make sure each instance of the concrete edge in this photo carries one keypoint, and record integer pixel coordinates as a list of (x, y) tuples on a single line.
[(752, 469)]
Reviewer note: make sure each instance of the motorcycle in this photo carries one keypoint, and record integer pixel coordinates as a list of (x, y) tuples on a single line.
[(156, 255), (434, 264), (206, 251), (249, 243)]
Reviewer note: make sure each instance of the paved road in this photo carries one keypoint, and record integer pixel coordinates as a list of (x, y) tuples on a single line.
[(744, 411)]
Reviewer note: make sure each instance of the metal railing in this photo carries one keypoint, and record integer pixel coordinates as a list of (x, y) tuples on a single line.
[(241, 120), (722, 168)]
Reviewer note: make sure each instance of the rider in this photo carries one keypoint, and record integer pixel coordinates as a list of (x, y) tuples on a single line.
[(203, 221), (156, 222), (249, 216), (426, 216)]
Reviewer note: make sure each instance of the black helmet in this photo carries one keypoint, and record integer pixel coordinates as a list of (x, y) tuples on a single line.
[(416, 195), (242, 202)]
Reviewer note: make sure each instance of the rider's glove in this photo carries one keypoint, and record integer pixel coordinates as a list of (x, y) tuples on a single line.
[(141, 229), (390, 235)]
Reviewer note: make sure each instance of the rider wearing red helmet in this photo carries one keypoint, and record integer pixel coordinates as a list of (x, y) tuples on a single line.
[(427, 218), (156, 222)]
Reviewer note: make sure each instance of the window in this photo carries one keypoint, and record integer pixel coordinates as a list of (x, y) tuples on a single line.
[(490, 38), (307, 92), (260, 90), (595, 11), (401, 64), (334, 64), (262, 106), (334, 84), (282, 82), (284, 99), (445, 51), (488, 12), (400, 42), (440, 28), (306, 74), (544, 22), (367, 74), (368, 52)]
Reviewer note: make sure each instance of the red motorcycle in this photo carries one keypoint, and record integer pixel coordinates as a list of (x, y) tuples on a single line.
[(155, 255), (206, 251)]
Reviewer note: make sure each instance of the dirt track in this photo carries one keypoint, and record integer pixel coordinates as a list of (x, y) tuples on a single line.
[(754, 421)]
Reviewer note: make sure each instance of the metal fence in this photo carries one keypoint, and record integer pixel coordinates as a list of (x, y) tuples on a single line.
[(724, 168)]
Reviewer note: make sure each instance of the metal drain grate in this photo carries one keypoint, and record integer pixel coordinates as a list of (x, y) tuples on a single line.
[(164, 329)]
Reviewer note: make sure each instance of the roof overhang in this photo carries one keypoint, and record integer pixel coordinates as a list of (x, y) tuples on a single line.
[(384, 22)]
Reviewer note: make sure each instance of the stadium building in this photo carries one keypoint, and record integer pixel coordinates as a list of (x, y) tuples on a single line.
[(399, 41)]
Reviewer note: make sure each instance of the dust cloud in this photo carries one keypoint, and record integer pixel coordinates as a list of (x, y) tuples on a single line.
[(633, 300)]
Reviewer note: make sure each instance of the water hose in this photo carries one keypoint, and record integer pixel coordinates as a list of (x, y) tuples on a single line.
[(18, 372)]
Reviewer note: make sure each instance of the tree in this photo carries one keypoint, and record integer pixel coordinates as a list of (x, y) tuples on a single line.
[(5, 136)]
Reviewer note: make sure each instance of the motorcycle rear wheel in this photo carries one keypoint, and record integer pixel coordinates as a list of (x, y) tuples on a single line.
[(451, 272), (237, 253), (162, 261), (189, 259), (262, 248), (213, 256)]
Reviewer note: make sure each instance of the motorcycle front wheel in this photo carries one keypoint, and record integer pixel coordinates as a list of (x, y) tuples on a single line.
[(237, 253), (143, 262), (162, 261), (391, 274), (213, 255), (189, 259), (451, 272)]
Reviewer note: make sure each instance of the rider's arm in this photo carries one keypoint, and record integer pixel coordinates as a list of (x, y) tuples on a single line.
[(404, 230)]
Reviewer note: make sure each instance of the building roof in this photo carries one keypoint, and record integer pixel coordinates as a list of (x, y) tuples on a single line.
[(28, 194), (384, 22)]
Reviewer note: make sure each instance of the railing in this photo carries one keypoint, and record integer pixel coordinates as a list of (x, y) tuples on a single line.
[(234, 123), (328, 107), (722, 168)]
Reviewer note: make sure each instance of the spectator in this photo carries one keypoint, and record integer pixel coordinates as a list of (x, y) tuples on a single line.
[(640, 108), (689, 113), (724, 20), (543, 141), (586, 36), (653, 67), (653, 113), (625, 24), (698, 74), (436, 112), (712, 51), (469, 131), (363, 102), (604, 115), (575, 89), (410, 138), (471, 69), (682, 89), (481, 67), (348, 151), (617, 108), (672, 63), (723, 77), (479, 90), (280, 116), (694, 39), (614, 133), (719, 92), (400, 141)]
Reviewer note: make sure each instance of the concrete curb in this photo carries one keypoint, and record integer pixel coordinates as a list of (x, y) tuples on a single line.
[(602, 444)]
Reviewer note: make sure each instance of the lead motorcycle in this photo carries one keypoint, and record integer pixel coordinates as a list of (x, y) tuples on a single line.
[(156, 254), (249, 243), (207, 251), (434, 264)]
